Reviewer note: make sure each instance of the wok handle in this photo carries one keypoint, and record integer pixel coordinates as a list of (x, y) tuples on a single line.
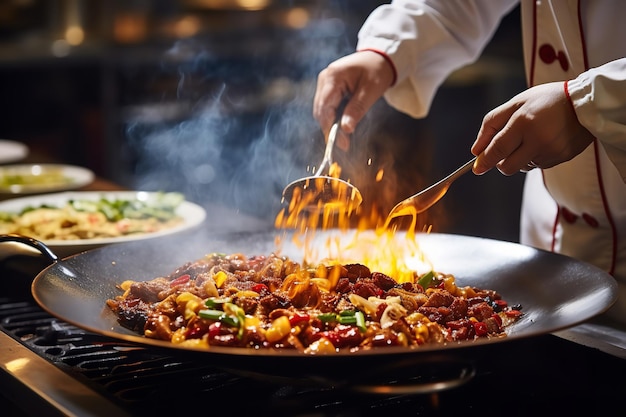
[(14, 245), (411, 387)]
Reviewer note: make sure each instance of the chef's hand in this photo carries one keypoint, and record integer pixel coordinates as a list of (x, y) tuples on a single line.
[(362, 77), (536, 128)]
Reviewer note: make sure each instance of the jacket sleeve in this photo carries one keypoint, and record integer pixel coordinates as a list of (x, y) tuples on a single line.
[(427, 40), (599, 99)]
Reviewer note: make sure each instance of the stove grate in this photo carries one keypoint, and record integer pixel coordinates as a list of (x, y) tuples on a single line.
[(144, 382)]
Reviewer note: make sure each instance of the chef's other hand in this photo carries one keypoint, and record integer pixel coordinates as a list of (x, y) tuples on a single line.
[(536, 128), (362, 77)]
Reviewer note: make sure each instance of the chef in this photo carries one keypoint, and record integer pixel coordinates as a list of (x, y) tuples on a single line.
[(567, 131)]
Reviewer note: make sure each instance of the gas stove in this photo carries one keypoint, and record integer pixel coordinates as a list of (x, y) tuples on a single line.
[(49, 367)]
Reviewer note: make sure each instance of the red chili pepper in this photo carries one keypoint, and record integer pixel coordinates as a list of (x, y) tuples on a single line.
[(215, 329), (260, 288), (298, 318), (333, 336), (501, 303), (194, 332), (480, 328), (457, 324), (180, 280), (348, 336), (497, 318), (513, 313), (380, 310), (343, 336)]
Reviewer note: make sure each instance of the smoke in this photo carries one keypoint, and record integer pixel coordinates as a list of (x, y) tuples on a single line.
[(238, 127)]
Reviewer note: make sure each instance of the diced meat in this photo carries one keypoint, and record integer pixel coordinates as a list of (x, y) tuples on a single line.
[(192, 268), (356, 271), (131, 313), (439, 298), (248, 304), (149, 290), (343, 286), (385, 282), (366, 288), (274, 300), (458, 308), (481, 311)]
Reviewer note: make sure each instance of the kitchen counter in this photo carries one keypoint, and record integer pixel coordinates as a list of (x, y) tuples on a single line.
[(598, 333)]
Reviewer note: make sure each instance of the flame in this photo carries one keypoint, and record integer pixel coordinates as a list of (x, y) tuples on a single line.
[(307, 210), (374, 242)]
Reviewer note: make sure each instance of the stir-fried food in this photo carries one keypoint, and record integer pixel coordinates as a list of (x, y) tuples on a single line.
[(273, 302), (95, 219)]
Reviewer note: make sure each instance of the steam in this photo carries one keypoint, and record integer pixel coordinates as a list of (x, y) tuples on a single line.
[(239, 127)]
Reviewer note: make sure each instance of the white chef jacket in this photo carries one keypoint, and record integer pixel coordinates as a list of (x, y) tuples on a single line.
[(577, 208)]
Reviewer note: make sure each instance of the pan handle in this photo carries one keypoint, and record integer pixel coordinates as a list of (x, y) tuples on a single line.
[(426, 384), (423, 375), (14, 244)]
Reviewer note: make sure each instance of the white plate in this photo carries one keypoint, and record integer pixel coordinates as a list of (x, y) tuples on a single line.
[(11, 151), (42, 178), (192, 214)]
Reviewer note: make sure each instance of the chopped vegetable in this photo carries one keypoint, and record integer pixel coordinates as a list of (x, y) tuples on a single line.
[(162, 207), (327, 317), (219, 315), (215, 302), (220, 277), (426, 280), (279, 329), (360, 321), (298, 318)]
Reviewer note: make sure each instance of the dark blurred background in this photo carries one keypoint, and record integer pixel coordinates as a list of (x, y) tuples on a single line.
[(213, 98)]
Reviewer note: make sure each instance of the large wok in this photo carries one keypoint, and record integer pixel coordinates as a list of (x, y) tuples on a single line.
[(555, 292)]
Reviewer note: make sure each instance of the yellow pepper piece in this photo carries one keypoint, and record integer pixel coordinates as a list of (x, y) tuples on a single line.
[(126, 284), (195, 343), (450, 285), (179, 336), (219, 278), (321, 346), (252, 322), (186, 296), (279, 329), (189, 304), (247, 293), (421, 331), (403, 339)]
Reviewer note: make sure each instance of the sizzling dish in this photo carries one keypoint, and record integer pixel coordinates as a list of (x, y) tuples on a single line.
[(273, 302)]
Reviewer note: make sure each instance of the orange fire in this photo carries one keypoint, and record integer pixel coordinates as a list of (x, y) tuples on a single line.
[(374, 241)]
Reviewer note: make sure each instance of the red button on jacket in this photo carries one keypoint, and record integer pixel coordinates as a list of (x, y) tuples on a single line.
[(548, 55), (568, 216)]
